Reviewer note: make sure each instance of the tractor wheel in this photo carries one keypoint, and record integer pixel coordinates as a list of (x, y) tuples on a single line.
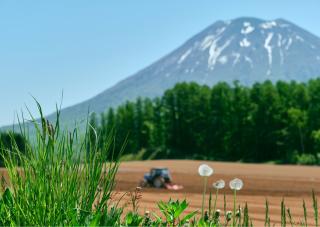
[(158, 182)]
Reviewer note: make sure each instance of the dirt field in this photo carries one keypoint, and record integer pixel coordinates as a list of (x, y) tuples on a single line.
[(261, 181)]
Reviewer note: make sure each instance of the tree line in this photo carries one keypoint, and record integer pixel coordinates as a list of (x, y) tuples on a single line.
[(264, 122)]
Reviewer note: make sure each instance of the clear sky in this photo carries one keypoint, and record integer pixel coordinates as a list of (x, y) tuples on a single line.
[(84, 47)]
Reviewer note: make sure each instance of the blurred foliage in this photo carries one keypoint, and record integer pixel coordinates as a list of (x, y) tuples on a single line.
[(8, 141)]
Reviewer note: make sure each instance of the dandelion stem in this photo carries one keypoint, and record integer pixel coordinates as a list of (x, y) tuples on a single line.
[(234, 208), (210, 203), (203, 195), (215, 201), (225, 207)]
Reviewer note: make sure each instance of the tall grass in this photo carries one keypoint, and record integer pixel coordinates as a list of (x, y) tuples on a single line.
[(61, 178)]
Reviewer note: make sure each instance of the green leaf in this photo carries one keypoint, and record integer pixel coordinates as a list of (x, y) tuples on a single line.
[(188, 217), (96, 220), (129, 218), (181, 208), (8, 198)]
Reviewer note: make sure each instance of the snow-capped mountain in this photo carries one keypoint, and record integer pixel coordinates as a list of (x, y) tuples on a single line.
[(248, 50), (244, 49)]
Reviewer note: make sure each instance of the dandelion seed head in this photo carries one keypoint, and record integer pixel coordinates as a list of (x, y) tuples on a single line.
[(236, 184), (220, 184), (205, 170)]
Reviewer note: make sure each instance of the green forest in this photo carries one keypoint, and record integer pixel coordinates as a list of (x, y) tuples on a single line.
[(266, 122)]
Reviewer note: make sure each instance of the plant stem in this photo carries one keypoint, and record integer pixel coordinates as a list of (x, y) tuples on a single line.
[(283, 214), (203, 195), (234, 208), (225, 207), (305, 214), (315, 208), (215, 201), (290, 217), (210, 203), (267, 218)]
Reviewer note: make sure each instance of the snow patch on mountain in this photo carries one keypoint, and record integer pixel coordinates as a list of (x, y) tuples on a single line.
[(268, 47), (280, 43), (299, 38), (207, 41), (247, 28), (268, 24), (244, 43), (184, 56), (223, 59), (215, 51), (210, 39), (289, 43)]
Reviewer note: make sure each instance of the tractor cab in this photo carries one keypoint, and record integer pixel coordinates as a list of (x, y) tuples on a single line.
[(159, 178)]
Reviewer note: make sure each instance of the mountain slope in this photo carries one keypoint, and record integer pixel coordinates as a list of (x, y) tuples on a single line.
[(244, 49)]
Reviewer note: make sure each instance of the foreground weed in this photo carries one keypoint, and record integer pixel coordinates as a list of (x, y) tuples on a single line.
[(135, 197), (172, 211), (61, 178)]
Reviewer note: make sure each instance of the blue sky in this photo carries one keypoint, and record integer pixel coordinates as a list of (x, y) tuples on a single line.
[(84, 47)]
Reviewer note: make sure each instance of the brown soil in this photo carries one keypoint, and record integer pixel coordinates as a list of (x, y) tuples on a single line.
[(261, 182)]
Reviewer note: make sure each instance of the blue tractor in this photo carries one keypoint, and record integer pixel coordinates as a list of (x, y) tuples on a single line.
[(157, 177)]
